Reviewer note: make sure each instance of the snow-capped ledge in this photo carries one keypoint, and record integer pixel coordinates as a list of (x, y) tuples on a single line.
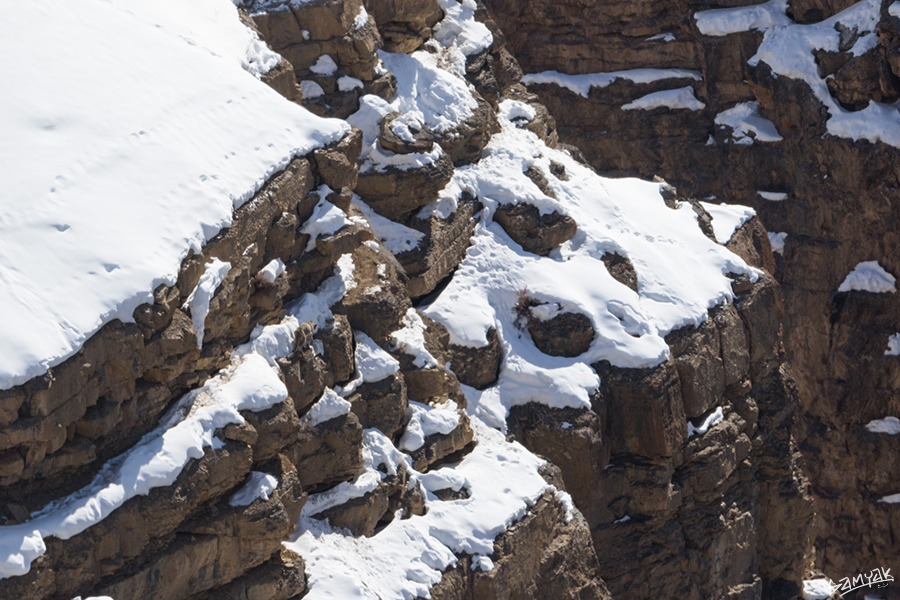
[(869, 276), (109, 185), (680, 98)]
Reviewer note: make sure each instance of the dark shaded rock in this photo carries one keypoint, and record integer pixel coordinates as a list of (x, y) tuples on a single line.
[(378, 313), (751, 242), (571, 439), (566, 334), (328, 453), (336, 166), (363, 516), (477, 367), (441, 250), (535, 232), (382, 404), (280, 578), (405, 24), (697, 355), (338, 349), (464, 143), (542, 556), (643, 407), (621, 269), (303, 370), (282, 80), (440, 447)]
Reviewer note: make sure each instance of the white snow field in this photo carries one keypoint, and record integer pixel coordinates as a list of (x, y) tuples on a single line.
[(131, 132)]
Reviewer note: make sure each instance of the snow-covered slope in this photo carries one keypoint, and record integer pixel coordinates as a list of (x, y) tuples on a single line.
[(115, 182), (131, 131)]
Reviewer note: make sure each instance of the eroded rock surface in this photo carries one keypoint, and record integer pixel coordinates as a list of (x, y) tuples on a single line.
[(680, 480), (829, 194)]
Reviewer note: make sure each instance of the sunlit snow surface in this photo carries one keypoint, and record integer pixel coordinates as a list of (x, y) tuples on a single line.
[(727, 219), (776, 240), (681, 273), (888, 425), (869, 276), (817, 589), (408, 557), (893, 348), (130, 132)]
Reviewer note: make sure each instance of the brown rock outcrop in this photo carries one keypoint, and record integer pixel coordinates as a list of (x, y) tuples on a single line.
[(837, 212), (665, 505), (545, 555), (695, 506), (535, 232), (394, 193)]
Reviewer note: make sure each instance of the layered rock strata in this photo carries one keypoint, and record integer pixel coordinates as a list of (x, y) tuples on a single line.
[(801, 143), (337, 405)]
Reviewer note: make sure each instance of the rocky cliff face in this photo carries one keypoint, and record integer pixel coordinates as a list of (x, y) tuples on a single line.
[(783, 123), (392, 391)]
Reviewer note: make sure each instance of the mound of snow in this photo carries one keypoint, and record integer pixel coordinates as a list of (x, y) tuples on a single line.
[(869, 276), (747, 125), (681, 273), (727, 218), (889, 425), (163, 130)]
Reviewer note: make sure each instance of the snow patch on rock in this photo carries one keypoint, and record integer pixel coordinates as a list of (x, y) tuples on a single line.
[(395, 237), (817, 589), (869, 276), (411, 340), (582, 84), (425, 420), (714, 418), (183, 155), (329, 406), (788, 48), (372, 362), (746, 124), (259, 485), (681, 98), (727, 219), (409, 556), (888, 425), (772, 196), (777, 241), (272, 271), (893, 348), (198, 301)]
